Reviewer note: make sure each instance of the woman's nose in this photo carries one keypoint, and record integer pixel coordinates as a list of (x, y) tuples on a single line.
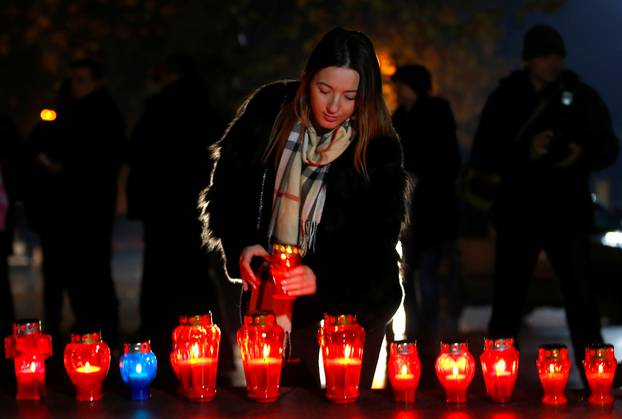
[(333, 105)]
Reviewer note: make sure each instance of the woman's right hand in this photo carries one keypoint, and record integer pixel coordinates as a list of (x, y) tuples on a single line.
[(247, 255)]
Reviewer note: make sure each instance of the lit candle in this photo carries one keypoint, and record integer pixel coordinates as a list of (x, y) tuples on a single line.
[(260, 340), (600, 365), (341, 341), (500, 368), (87, 359), (404, 370), (138, 367), (195, 356), (553, 369), (455, 368), (29, 348)]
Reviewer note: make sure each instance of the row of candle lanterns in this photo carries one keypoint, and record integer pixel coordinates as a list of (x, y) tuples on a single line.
[(195, 359), (86, 359)]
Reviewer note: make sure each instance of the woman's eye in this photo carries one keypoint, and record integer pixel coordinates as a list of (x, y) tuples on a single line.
[(324, 91), (350, 97)]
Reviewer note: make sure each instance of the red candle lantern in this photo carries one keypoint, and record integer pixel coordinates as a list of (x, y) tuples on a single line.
[(261, 345), (404, 370), (341, 341), (87, 360), (500, 368), (553, 369), (29, 348), (284, 258), (455, 368), (600, 367), (195, 356)]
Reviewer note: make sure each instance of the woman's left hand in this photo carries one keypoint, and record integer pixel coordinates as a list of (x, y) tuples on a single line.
[(300, 281)]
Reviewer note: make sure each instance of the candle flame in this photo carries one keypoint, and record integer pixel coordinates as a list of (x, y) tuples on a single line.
[(348, 351), (87, 367), (33, 367), (139, 368), (500, 367), (455, 371), (195, 351), (266, 351), (600, 368), (404, 369), (551, 368)]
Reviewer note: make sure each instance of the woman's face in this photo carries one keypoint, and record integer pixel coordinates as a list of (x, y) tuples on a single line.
[(333, 96)]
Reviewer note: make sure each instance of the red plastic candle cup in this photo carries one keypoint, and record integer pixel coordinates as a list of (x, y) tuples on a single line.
[(404, 370), (195, 356), (500, 368), (455, 368), (29, 348), (87, 360), (284, 258), (341, 341), (600, 367), (553, 369), (261, 345)]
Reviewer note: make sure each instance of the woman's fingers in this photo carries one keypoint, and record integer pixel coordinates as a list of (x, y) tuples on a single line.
[(300, 281)]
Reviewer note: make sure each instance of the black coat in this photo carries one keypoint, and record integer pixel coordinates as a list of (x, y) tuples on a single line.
[(431, 155), (355, 261), (538, 195)]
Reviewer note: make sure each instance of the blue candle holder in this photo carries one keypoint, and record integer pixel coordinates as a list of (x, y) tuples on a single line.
[(138, 367)]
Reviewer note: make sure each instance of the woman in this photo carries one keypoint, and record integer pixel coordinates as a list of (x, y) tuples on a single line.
[(316, 163)]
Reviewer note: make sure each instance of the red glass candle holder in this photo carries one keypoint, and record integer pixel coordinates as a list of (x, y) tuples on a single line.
[(600, 367), (284, 258), (341, 341), (195, 356), (87, 360), (261, 345), (29, 348), (455, 368), (404, 370), (553, 369), (500, 368)]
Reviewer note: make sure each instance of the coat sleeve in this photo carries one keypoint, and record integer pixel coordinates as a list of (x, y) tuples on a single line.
[(359, 269), (229, 206), (600, 145)]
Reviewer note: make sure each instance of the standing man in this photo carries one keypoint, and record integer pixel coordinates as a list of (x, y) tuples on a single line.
[(543, 132), (427, 130), (89, 138)]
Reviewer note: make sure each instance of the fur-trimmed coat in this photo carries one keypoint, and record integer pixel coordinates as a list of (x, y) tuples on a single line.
[(355, 261)]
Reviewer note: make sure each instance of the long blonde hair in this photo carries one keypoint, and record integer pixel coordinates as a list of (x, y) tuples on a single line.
[(349, 49)]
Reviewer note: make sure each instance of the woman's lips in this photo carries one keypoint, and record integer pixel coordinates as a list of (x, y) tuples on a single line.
[(329, 118)]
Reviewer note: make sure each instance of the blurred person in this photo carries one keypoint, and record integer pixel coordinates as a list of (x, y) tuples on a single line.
[(315, 163), (79, 157), (168, 160), (427, 130), (543, 131)]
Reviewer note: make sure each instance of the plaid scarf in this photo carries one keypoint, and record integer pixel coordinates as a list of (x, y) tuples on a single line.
[(299, 190)]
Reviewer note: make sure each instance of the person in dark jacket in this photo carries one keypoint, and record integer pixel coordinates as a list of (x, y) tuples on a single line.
[(168, 159), (82, 162), (544, 131), (427, 130), (324, 143)]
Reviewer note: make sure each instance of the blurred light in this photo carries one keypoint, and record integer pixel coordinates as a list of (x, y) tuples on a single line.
[(48, 115), (612, 239), (387, 65)]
